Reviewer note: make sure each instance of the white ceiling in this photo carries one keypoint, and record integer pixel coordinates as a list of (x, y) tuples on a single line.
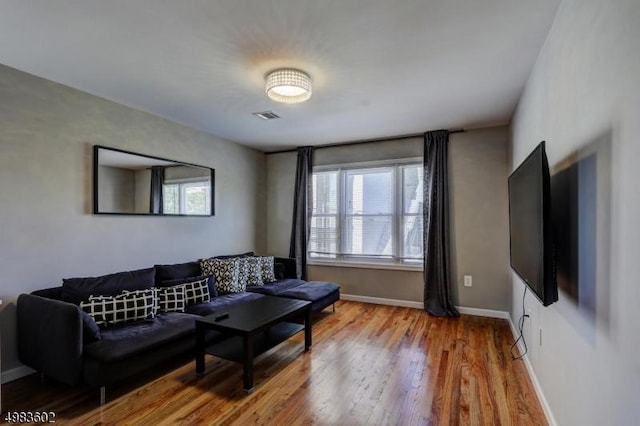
[(380, 67), (125, 160)]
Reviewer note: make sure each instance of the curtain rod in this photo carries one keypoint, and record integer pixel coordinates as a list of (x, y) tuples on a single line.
[(391, 138)]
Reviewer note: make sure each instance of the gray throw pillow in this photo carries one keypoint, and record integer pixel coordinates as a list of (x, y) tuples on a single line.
[(253, 269), (267, 269)]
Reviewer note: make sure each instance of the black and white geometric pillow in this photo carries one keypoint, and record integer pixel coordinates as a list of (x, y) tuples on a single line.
[(253, 268), (129, 306), (171, 299), (226, 273), (267, 269), (196, 291)]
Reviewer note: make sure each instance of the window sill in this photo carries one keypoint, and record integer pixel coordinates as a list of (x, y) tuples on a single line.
[(363, 265)]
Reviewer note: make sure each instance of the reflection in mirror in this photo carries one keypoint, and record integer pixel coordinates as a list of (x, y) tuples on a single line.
[(129, 183)]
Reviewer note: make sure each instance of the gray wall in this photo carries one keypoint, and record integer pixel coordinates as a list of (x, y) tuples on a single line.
[(480, 217), (281, 174), (478, 171), (185, 172), (143, 190), (46, 227), (116, 190), (582, 95), (375, 151)]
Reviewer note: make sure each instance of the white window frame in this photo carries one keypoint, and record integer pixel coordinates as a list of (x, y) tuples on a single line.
[(355, 261), (183, 185)]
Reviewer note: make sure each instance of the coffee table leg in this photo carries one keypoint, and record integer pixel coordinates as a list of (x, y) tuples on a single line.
[(199, 350), (248, 364), (307, 330)]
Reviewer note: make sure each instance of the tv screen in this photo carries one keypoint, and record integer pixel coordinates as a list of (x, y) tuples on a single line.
[(531, 239)]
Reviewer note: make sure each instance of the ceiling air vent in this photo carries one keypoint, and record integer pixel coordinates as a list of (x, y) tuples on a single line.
[(266, 115)]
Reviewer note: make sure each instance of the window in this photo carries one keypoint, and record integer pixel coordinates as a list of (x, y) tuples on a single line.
[(187, 197), (368, 213)]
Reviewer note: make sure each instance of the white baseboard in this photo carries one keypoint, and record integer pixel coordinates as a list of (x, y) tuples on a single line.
[(419, 305), (382, 301), (483, 312), (534, 379), (16, 373)]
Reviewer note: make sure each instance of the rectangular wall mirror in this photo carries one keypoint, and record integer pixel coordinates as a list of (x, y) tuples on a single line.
[(127, 183)]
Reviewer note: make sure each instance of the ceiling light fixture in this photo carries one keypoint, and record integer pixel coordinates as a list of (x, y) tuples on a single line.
[(288, 85)]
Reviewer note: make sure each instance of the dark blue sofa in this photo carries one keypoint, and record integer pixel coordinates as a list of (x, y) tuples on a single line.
[(55, 339)]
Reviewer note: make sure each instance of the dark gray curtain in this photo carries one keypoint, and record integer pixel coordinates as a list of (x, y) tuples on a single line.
[(301, 210), (157, 178), (437, 281)]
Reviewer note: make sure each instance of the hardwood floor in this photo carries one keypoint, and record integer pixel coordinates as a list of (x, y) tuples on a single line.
[(370, 364)]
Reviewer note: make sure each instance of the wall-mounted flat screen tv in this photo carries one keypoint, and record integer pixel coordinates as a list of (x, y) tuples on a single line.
[(530, 227)]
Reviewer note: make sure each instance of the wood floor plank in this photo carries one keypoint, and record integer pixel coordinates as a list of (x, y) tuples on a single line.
[(369, 365)]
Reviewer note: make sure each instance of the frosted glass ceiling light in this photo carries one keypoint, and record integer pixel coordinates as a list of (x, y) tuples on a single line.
[(288, 85)]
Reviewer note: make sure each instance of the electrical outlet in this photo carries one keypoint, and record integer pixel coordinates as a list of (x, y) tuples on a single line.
[(468, 281)]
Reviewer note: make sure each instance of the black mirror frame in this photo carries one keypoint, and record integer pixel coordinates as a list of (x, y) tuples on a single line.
[(96, 149)]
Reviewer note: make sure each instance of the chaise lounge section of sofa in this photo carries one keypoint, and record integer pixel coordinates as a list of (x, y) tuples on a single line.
[(59, 340)]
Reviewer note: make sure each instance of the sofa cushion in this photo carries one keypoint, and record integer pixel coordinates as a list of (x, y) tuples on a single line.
[(279, 271), (311, 290), (171, 299), (225, 272), (320, 293), (221, 302), (76, 290), (319, 304), (276, 287), (177, 271), (231, 256), (49, 293), (125, 340), (90, 330), (286, 267), (128, 306)]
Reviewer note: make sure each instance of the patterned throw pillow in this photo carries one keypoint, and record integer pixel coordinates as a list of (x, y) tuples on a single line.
[(171, 299), (226, 273), (242, 272), (211, 282), (253, 269), (206, 266), (128, 306), (267, 269), (196, 292)]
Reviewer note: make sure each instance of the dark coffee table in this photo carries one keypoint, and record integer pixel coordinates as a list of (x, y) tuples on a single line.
[(252, 328)]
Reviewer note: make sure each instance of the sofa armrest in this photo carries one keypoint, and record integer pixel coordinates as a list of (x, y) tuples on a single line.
[(286, 267), (50, 337)]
